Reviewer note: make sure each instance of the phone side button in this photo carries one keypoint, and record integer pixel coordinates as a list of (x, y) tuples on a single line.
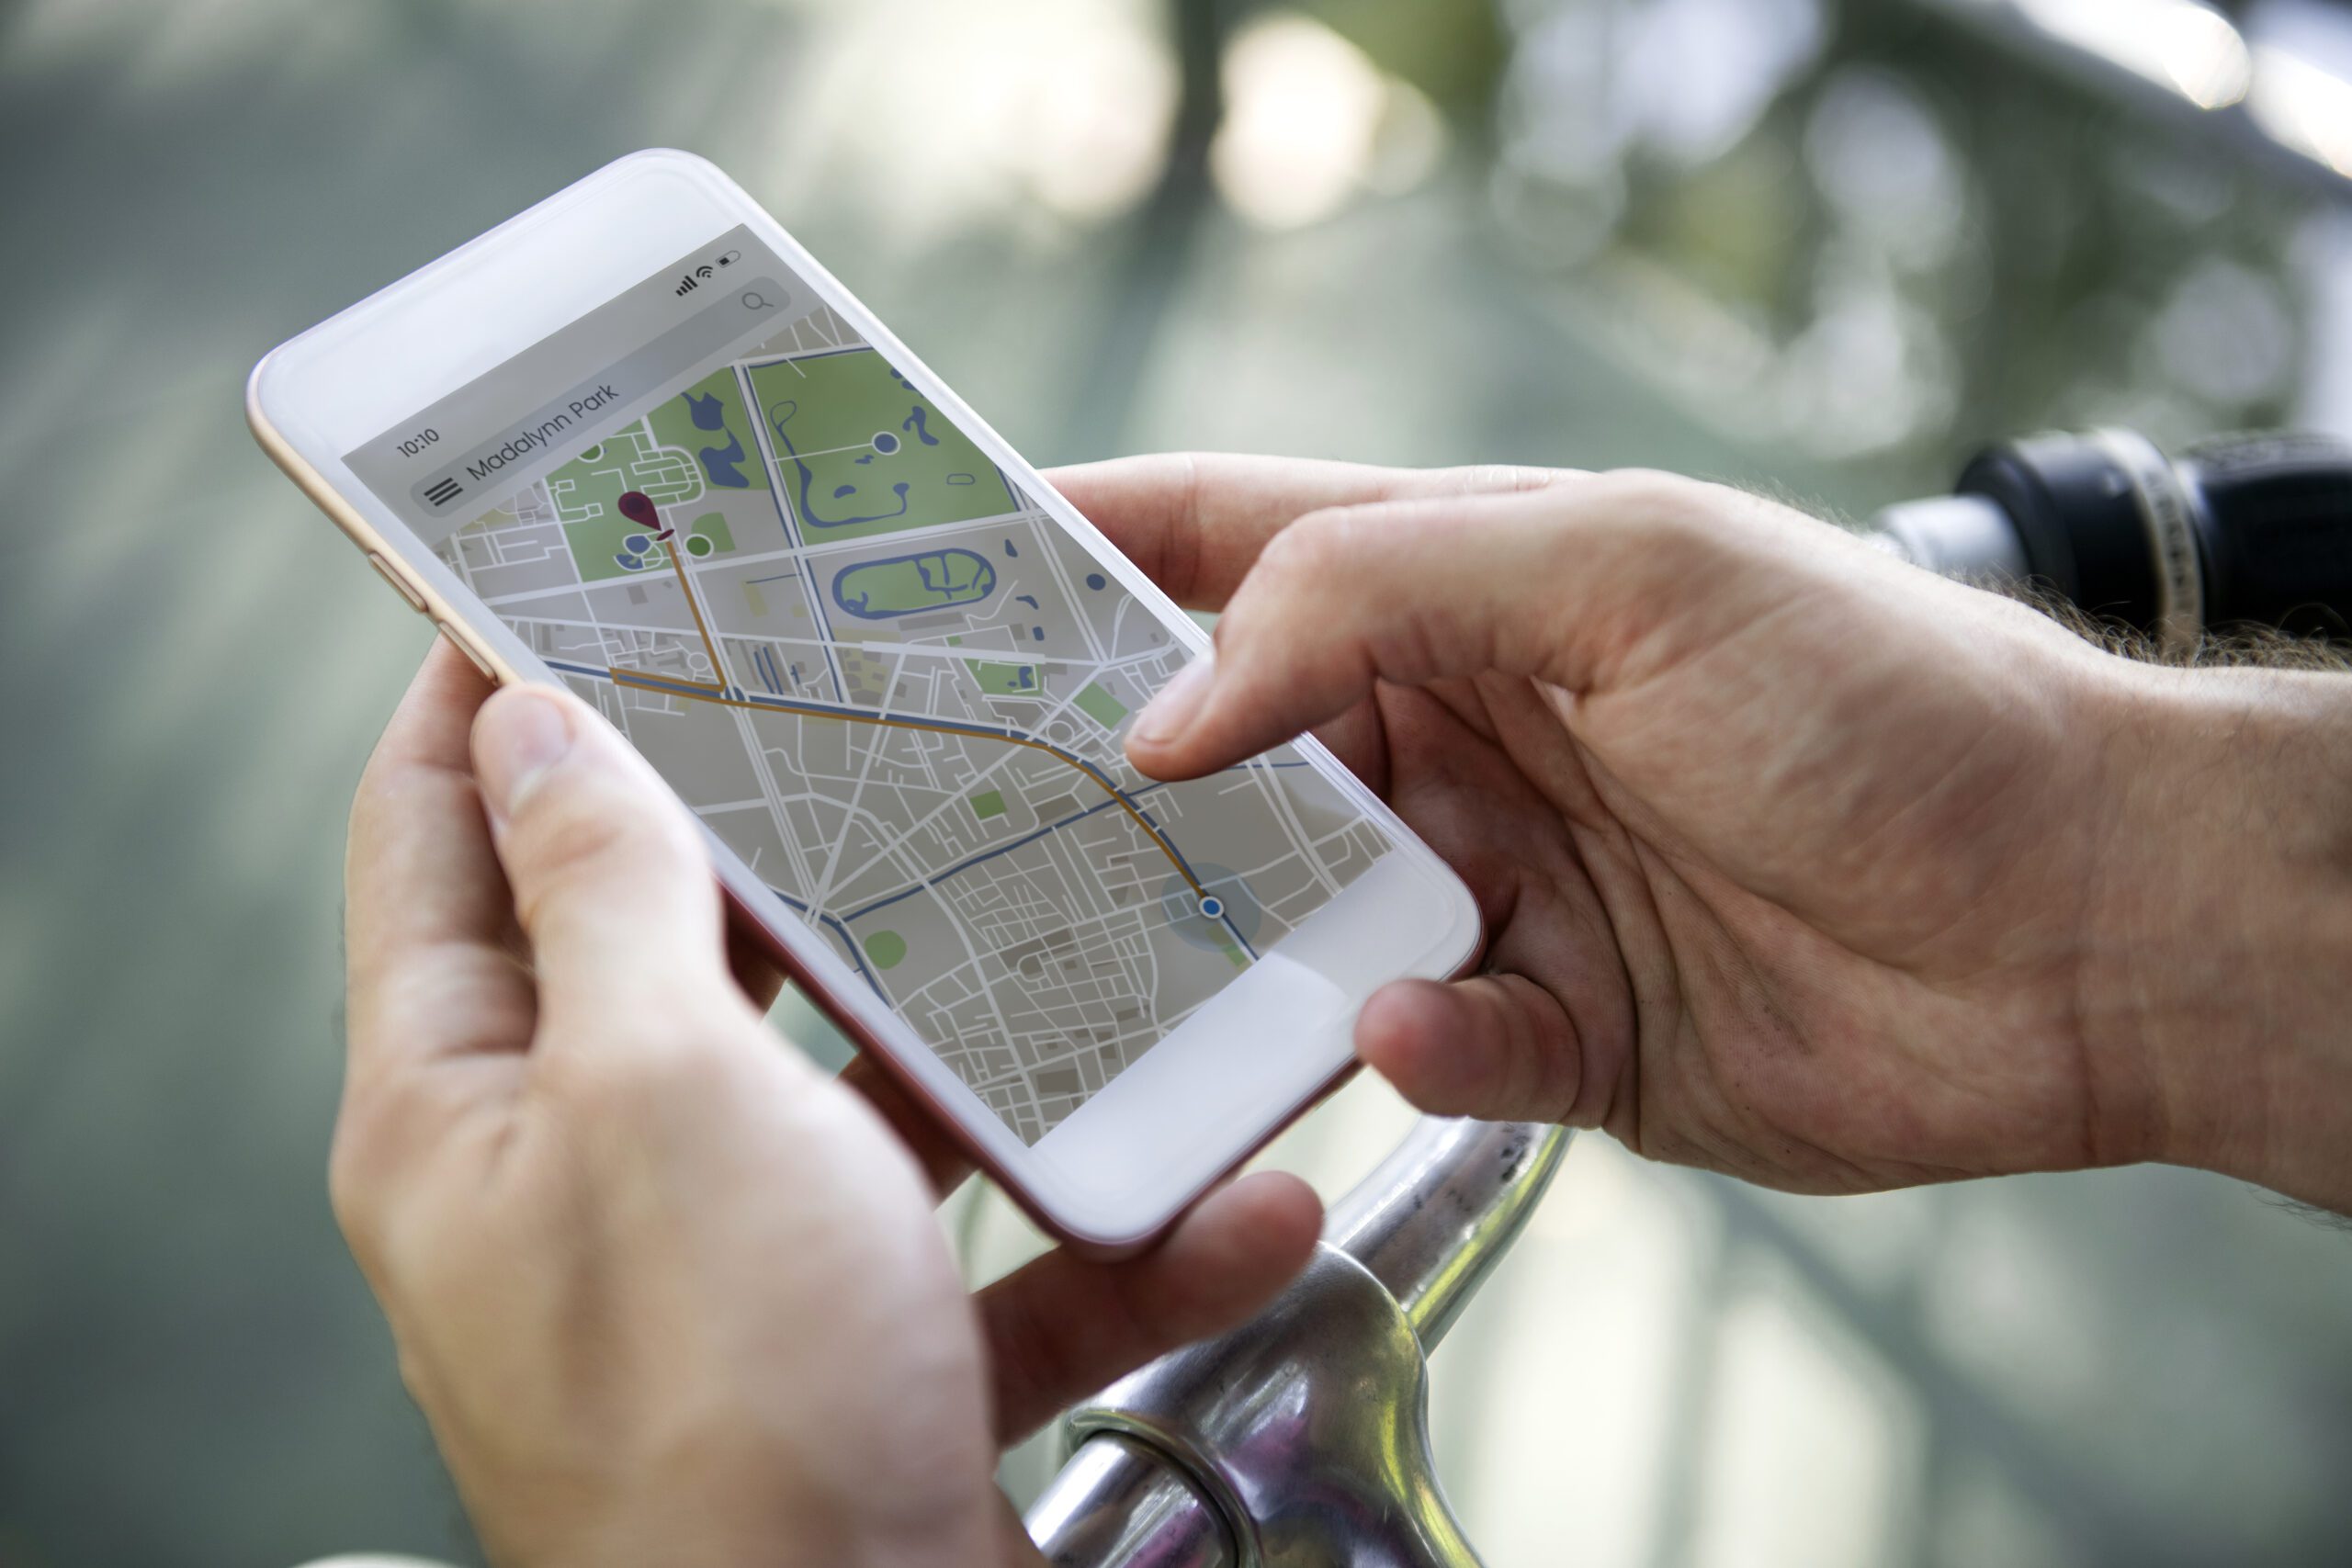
[(407, 589), (476, 659)]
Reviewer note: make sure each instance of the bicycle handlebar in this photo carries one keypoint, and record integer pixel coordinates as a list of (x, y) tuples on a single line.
[(1300, 1437)]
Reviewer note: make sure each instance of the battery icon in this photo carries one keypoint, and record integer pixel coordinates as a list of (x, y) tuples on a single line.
[(730, 257)]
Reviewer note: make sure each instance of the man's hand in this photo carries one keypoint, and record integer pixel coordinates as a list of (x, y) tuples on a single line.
[(1797, 862), (666, 1293)]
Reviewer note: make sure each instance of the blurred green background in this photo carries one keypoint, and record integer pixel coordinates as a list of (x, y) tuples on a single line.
[(1820, 246)]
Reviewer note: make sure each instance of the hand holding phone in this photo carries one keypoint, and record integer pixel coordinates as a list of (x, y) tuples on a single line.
[(1802, 863), (636, 443), (666, 1293)]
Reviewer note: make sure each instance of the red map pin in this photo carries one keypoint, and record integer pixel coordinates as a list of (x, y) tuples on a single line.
[(637, 507)]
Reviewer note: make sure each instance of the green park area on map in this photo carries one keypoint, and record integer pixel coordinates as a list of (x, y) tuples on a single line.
[(677, 457), (998, 680), (707, 419), (863, 453), (1102, 707), (587, 491)]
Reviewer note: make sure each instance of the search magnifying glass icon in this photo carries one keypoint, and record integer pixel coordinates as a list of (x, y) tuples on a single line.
[(755, 301)]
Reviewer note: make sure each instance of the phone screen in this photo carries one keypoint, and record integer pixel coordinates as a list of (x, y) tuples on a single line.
[(880, 672)]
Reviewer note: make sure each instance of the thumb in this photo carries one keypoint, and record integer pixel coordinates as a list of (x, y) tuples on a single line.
[(1558, 584), (1499, 1046), (611, 882)]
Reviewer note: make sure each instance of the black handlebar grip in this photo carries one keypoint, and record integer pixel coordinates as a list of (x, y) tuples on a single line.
[(2274, 516)]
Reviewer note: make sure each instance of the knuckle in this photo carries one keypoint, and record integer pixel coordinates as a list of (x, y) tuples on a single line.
[(1658, 482), (559, 831), (1675, 504), (1482, 479), (1559, 1071), (560, 836), (1312, 545), (1676, 523), (358, 1169), (1182, 549), (1651, 495)]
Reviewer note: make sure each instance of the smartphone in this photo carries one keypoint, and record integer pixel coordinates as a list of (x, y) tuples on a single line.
[(636, 442)]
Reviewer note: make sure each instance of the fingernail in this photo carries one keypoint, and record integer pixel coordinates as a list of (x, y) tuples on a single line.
[(522, 733), (1166, 715)]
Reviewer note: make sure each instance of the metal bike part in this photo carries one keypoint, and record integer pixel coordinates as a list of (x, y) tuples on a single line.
[(1300, 1439)]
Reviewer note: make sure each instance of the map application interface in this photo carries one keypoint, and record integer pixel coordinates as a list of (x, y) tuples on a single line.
[(873, 666)]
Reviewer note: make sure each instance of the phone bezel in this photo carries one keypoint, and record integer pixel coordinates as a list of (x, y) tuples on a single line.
[(1140, 1160)]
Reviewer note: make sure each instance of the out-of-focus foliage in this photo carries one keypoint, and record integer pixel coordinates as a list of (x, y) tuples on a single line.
[(1870, 231), (1453, 53)]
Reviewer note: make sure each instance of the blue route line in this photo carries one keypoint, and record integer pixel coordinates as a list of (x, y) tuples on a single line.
[(840, 931), (1240, 938), (936, 879)]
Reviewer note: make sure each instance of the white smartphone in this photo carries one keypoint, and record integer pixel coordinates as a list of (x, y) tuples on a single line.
[(636, 443)]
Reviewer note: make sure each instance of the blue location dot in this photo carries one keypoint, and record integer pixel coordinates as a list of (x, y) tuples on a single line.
[(1212, 906), (1094, 581), (886, 443)]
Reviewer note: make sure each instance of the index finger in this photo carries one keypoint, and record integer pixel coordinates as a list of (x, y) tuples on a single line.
[(425, 906), (1196, 521)]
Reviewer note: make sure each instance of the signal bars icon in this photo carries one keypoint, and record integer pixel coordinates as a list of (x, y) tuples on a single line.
[(693, 280)]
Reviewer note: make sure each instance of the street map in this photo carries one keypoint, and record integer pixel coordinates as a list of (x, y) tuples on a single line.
[(897, 688)]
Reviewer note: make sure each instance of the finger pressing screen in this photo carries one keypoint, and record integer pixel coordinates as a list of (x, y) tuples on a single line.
[(1196, 521), (1408, 591)]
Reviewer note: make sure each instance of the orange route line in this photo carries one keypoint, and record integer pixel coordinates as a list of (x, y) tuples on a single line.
[(703, 693), (714, 692), (709, 645)]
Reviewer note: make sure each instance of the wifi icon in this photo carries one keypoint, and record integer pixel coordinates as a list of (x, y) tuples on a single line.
[(704, 271)]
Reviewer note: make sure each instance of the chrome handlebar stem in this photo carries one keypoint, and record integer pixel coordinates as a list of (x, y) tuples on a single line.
[(1300, 1439)]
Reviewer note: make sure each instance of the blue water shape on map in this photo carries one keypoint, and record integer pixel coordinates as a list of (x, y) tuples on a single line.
[(916, 421), (719, 464), (780, 416), (709, 413), (1028, 599), (878, 589)]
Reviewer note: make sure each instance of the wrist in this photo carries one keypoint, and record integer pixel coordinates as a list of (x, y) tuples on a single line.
[(2217, 967)]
